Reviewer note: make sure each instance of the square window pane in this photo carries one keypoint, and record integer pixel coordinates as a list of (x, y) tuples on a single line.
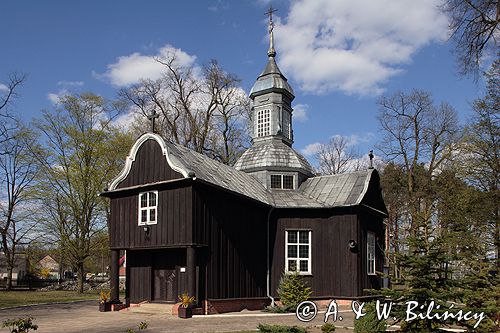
[(152, 199), (288, 182), (144, 200), (292, 236), (304, 237), (275, 181), (152, 215), (292, 251), (292, 265), (144, 215), (303, 251), (304, 267)]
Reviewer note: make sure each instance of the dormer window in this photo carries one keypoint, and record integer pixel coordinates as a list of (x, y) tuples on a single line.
[(263, 123), (148, 207), (283, 182)]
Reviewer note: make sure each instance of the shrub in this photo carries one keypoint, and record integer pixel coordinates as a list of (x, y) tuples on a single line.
[(20, 325), (293, 290), (369, 323), (280, 329), (328, 328)]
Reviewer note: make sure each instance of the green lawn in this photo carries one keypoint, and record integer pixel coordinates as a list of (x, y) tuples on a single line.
[(21, 297)]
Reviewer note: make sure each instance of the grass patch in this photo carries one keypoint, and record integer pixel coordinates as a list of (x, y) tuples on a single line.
[(24, 297)]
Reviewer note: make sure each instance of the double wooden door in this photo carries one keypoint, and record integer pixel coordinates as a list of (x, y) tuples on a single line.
[(166, 277)]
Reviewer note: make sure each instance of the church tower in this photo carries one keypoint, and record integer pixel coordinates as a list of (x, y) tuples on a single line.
[(271, 159)]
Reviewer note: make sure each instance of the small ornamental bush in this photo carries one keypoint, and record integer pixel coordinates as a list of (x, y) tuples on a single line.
[(369, 323), (293, 290), (280, 329), (20, 325), (328, 328)]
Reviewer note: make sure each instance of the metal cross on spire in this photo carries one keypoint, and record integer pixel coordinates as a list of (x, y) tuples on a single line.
[(271, 52), (270, 13), (152, 118)]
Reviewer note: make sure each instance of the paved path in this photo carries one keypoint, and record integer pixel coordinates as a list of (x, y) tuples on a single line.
[(85, 317)]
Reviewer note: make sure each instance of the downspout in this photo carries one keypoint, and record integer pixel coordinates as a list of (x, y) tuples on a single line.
[(268, 277)]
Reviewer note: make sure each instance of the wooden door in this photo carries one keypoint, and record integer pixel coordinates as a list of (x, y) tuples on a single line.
[(171, 286)]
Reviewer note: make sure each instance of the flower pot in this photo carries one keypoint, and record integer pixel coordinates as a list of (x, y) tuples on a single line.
[(106, 306), (185, 312)]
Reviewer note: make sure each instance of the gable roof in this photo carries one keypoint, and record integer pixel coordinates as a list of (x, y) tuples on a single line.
[(317, 192)]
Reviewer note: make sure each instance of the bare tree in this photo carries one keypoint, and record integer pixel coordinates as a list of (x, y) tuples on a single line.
[(418, 136), (475, 28), (17, 173), (337, 156), (200, 109), (8, 92)]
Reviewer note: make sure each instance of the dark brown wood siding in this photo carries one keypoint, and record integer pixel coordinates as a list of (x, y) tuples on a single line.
[(138, 277), (373, 223), (335, 267), (174, 226), (154, 275), (149, 166), (234, 232)]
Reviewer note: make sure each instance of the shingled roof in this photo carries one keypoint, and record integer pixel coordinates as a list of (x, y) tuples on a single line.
[(341, 190)]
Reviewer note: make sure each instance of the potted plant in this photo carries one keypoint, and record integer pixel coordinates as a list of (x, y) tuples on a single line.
[(104, 303), (185, 310)]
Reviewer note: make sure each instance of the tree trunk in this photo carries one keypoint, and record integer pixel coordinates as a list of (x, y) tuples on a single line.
[(81, 277), (9, 278)]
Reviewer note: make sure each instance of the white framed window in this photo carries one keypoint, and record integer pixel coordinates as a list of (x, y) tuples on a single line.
[(286, 125), (370, 253), (284, 182), (148, 207), (263, 123), (298, 251)]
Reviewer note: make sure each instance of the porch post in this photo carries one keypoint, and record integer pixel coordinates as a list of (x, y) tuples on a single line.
[(191, 270), (114, 280)]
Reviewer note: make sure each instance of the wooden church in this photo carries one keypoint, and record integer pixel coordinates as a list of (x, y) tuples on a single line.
[(227, 234)]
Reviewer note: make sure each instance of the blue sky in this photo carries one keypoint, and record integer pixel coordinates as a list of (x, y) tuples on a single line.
[(338, 55)]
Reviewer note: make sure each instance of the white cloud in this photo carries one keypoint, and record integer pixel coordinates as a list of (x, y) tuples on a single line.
[(70, 83), (355, 48), (356, 139), (55, 98), (300, 112), (3, 87), (131, 69), (311, 149)]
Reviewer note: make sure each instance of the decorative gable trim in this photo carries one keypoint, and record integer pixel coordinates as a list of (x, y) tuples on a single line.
[(133, 153)]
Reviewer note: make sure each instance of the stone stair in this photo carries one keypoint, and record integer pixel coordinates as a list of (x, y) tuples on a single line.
[(154, 308)]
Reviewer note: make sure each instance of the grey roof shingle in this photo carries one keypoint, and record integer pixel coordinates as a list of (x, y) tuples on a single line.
[(316, 192), (273, 154), (345, 189), (217, 173)]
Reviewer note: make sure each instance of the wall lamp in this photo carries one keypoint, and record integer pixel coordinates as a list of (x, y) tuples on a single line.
[(353, 244)]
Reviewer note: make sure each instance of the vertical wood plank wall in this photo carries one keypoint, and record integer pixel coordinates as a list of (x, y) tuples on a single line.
[(149, 166), (174, 226), (335, 268), (234, 231)]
